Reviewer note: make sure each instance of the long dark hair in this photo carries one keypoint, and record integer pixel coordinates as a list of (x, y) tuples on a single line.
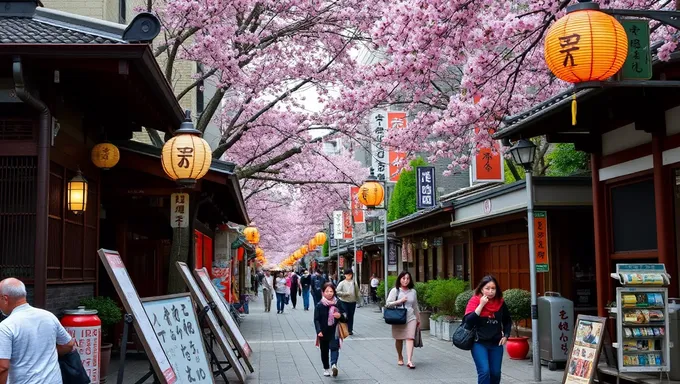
[(410, 285), (486, 280)]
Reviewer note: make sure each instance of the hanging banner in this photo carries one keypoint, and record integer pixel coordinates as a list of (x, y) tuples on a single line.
[(356, 206), (179, 210), (338, 225), (425, 189), (360, 256), (378, 126), (396, 120), (541, 240), (346, 225), (487, 166), (392, 257)]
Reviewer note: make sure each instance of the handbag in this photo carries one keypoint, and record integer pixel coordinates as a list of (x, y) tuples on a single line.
[(343, 332), (464, 338), (418, 340), (395, 316)]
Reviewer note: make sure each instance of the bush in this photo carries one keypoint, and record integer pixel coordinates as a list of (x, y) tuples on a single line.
[(403, 199), (442, 294), (461, 302), (107, 311), (421, 292), (391, 281), (519, 305)]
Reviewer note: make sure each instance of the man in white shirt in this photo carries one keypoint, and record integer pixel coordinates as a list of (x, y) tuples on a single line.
[(30, 339), (267, 290), (374, 287)]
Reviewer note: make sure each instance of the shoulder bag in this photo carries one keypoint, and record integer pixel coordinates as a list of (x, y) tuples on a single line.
[(464, 338), (395, 316)]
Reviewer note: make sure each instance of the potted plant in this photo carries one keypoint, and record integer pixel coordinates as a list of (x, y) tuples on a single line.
[(519, 305), (460, 305), (425, 311), (109, 314), (435, 325), (442, 294)]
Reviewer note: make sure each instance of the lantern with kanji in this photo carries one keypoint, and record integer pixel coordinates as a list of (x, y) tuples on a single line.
[(320, 238), (105, 155), (371, 192), (252, 235), (187, 156)]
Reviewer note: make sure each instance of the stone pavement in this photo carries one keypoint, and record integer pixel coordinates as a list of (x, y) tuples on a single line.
[(284, 352)]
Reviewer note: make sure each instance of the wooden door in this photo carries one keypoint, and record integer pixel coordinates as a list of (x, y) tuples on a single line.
[(143, 261), (508, 261)]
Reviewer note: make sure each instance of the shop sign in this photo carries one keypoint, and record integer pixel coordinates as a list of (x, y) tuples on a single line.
[(357, 207), (425, 188), (338, 225), (379, 155), (541, 240), (638, 65), (179, 210), (396, 120), (437, 242), (347, 225), (392, 258)]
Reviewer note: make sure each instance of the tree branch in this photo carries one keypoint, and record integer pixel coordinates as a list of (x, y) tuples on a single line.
[(195, 83), (299, 182), (246, 173)]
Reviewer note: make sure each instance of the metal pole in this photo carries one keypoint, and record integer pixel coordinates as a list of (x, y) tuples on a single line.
[(532, 278), (385, 245)]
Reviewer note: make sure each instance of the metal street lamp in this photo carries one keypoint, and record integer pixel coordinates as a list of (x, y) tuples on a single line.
[(523, 153), (372, 194)]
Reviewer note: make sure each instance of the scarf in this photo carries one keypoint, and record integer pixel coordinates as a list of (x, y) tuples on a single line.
[(331, 310), (494, 305)]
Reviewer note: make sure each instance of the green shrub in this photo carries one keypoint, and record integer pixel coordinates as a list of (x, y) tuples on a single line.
[(403, 199), (461, 302), (391, 281), (107, 311), (442, 294), (519, 305), (421, 292)]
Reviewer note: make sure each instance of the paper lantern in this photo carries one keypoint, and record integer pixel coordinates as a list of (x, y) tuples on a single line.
[(371, 192), (304, 250), (320, 238), (311, 245), (186, 157), (259, 252), (77, 194), (105, 155), (252, 235), (586, 45)]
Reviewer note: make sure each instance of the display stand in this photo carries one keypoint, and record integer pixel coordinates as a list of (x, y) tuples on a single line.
[(643, 343)]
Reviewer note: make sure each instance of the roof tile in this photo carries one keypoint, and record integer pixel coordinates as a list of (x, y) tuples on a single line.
[(18, 30)]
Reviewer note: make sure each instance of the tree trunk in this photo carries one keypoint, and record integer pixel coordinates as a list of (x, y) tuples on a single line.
[(180, 251)]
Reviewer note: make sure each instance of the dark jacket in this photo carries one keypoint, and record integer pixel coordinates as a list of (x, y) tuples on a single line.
[(72, 370), (306, 281), (321, 321), (490, 330)]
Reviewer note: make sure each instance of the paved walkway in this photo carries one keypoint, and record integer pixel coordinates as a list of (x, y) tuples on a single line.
[(284, 352)]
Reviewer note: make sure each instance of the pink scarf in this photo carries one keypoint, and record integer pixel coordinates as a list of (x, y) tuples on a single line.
[(333, 309)]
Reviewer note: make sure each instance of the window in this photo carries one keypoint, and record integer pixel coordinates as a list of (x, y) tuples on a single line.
[(633, 217)]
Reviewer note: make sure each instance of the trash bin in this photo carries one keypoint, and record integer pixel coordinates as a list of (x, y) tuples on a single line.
[(674, 336), (555, 328)]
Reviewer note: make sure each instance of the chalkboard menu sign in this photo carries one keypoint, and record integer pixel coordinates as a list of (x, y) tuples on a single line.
[(128, 295), (176, 325)]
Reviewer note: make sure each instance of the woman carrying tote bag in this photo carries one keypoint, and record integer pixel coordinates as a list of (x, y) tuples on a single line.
[(403, 294)]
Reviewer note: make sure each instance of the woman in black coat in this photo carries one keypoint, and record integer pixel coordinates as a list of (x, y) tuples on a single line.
[(327, 315)]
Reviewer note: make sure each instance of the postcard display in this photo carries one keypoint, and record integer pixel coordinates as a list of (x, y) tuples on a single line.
[(643, 343)]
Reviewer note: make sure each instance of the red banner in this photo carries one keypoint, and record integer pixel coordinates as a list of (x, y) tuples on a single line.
[(356, 206), (347, 224), (360, 256), (395, 120), (488, 166)]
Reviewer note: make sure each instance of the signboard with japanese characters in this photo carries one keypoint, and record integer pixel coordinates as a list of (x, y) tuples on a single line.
[(346, 225), (338, 225), (425, 188), (584, 353), (177, 328), (378, 126), (488, 165), (179, 210), (356, 206), (638, 65), (213, 322), (133, 305), (541, 240), (392, 257), (396, 120)]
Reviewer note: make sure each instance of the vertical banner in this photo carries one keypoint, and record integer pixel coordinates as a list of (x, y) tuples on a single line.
[(179, 210), (425, 188), (487, 166), (346, 225), (331, 234), (378, 126), (356, 206), (541, 240), (338, 225), (396, 120), (392, 257)]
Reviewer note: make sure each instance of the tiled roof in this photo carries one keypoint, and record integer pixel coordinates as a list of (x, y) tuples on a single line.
[(22, 30)]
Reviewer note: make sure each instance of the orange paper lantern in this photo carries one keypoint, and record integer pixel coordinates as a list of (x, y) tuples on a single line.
[(311, 245), (371, 193), (320, 238), (304, 250), (252, 235)]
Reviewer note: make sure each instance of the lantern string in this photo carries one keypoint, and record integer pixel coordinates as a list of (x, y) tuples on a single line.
[(573, 108)]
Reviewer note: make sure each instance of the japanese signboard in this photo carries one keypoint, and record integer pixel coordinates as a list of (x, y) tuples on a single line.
[(392, 257), (396, 120), (638, 65), (133, 305), (425, 188), (346, 225), (338, 225), (378, 126), (584, 353), (488, 164), (341, 262), (179, 210), (541, 240), (355, 204), (175, 323)]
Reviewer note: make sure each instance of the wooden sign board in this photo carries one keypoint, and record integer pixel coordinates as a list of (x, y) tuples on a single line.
[(176, 325), (584, 353), (128, 294), (223, 312), (213, 323)]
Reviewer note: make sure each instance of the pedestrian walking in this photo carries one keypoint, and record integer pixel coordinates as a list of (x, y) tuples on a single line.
[(317, 284), (31, 339), (295, 289), (267, 290), (305, 285), (287, 287), (281, 290), (374, 288), (403, 294), (349, 294), (326, 318), (487, 311)]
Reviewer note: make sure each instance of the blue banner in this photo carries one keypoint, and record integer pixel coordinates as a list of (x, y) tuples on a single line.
[(425, 185)]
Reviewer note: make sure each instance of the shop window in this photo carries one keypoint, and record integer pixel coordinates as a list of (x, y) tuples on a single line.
[(633, 217), (460, 252)]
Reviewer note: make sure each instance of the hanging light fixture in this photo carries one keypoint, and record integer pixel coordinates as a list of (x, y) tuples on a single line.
[(105, 156), (320, 238), (187, 156), (77, 193), (371, 192)]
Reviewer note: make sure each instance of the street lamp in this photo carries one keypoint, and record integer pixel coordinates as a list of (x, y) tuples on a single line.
[(523, 153), (372, 194)]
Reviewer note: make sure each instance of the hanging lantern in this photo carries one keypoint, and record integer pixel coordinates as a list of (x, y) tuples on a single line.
[(239, 252), (371, 192), (304, 250), (77, 194), (259, 252), (297, 254), (585, 45), (320, 238), (186, 157), (252, 235), (105, 155), (311, 245)]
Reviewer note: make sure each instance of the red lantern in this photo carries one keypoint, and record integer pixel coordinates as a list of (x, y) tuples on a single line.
[(240, 251), (360, 256)]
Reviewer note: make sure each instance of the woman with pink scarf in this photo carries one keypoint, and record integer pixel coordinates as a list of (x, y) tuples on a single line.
[(326, 318)]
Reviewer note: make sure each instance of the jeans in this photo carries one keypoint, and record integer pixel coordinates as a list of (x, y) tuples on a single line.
[(324, 346), (488, 359), (349, 309), (305, 297), (280, 301), (293, 298)]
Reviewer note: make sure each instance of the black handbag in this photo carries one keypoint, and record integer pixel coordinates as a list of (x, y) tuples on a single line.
[(395, 316), (464, 338)]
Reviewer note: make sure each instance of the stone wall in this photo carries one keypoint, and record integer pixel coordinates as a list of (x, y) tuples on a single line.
[(60, 297)]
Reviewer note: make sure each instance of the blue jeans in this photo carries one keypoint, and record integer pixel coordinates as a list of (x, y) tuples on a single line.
[(280, 301), (488, 359), (305, 297)]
